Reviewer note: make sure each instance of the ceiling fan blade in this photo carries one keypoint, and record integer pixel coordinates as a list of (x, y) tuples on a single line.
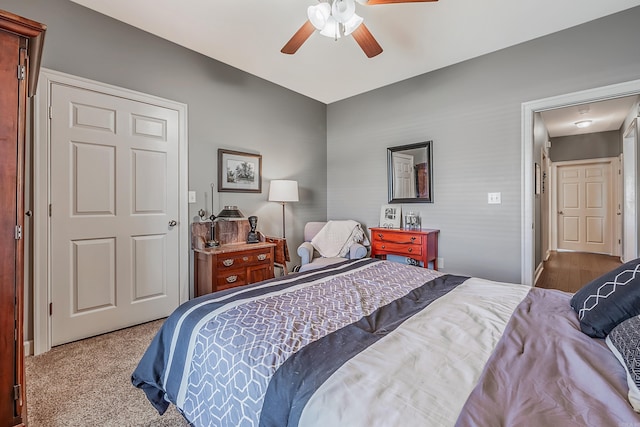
[(298, 38), (371, 2), (366, 41)]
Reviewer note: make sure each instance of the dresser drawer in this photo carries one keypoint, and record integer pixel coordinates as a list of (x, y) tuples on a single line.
[(231, 260), (397, 238), (397, 248), (231, 278)]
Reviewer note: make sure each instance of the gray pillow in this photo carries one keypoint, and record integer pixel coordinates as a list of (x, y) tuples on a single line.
[(608, 300), (624, 342)]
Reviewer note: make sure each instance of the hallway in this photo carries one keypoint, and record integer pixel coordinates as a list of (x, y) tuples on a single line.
[(570, 271)]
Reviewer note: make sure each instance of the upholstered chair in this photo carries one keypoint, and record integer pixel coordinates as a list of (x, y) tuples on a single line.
[(312, 259)]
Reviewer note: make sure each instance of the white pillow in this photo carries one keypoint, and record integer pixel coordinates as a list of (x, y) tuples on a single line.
[(624, 342)]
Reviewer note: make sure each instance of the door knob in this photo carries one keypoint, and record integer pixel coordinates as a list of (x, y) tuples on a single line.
[(560, 213), (172, 223)]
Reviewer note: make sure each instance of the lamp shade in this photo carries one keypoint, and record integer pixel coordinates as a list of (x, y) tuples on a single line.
[(352, 24), (331, 29), (283, 190), (230, 212), (343, 10), (319, 14)]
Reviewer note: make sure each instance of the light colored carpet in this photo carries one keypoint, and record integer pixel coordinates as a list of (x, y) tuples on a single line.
[(88, 383)]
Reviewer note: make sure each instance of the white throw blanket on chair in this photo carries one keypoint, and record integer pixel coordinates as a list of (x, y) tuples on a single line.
[(336, 237)]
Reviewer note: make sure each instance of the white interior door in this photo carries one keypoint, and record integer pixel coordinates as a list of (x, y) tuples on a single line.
[(114, 194), (584, 206), (404, 181)]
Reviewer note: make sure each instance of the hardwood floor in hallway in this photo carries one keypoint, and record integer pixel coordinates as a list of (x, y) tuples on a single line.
[(570, 271)]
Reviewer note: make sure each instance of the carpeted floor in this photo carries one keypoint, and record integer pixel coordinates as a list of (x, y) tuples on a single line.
[(87, 383)]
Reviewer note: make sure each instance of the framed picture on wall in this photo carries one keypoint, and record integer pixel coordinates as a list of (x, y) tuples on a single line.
[(239, 172), (390, 216)]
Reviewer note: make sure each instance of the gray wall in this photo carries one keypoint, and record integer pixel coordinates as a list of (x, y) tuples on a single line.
[(472, 112), (227, 108), (588, 146)]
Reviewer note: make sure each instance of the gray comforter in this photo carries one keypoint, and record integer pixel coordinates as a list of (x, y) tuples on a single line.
[(371, 343), (546, 372)]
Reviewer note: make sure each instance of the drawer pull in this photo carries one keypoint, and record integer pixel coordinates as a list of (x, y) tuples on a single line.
[(245, 259), (231, 279), (410, 242), (410, 250), (227, 262), (262, 257)]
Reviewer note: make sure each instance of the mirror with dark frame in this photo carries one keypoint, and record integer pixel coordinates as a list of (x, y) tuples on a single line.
[(410, 173)]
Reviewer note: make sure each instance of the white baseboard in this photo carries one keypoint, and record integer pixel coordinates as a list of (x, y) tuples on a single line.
[(538, 272), (28, 348)]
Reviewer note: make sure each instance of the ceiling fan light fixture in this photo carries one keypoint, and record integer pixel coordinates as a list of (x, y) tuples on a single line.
[(343, 10), (337, 18), (583, 123), (319, 15), (352, 24), (331, 29)]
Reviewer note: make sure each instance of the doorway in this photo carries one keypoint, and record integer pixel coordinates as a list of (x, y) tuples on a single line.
[(531, 226)]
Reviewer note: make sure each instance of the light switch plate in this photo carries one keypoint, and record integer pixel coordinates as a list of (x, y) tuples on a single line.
[(192, 197), (494, 198)]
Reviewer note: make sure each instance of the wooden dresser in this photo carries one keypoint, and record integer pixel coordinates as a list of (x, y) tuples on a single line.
[(231, 265), (420, 245), (20, 51)]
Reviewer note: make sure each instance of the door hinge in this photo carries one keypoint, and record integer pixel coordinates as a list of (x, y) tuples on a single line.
[(50, 112), (17, 392), (49, 209), (50, 309), (22, 72), (18, 232)]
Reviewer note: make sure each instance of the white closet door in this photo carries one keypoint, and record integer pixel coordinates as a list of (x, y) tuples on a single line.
[(114, 194)]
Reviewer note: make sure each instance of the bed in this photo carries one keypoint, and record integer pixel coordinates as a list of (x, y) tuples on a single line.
[(377, 343)]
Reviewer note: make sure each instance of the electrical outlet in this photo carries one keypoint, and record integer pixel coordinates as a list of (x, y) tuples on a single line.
[(494, 198), (192, 197), (440, 263)]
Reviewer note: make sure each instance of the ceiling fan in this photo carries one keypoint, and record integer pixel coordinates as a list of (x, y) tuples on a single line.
[(337, 18)]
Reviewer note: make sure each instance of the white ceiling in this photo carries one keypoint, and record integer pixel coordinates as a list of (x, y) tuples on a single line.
[(605, 116), (416, 37)]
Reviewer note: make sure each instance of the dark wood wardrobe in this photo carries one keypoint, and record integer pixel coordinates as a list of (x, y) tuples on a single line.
[(20, 51)]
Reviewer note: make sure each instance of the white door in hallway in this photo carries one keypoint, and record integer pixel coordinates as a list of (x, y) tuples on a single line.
[(584, 207), (114, 197)]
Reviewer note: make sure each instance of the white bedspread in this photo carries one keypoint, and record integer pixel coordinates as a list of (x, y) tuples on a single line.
[(444, 347)]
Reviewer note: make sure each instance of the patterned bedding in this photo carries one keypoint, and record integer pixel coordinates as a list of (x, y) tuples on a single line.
[(361, 343)]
